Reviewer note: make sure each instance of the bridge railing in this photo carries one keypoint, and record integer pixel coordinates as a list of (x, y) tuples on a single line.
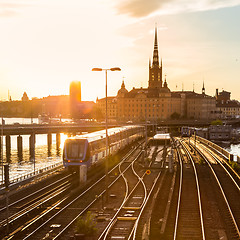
[(38, 171), (222, 151)]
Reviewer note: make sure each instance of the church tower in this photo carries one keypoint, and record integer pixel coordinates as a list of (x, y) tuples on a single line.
[(203, 89), (155, 71)]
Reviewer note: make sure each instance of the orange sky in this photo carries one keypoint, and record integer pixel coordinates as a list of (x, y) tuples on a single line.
[(45, 45)]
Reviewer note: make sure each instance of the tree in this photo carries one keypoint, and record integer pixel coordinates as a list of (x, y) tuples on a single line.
[(217, 122), (175, 115), (86, 225)]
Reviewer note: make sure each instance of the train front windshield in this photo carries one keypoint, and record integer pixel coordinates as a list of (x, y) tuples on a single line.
[(75, 149)]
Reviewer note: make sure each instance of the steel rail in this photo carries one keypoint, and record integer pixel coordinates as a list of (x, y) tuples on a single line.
[(222, 191), (179, 196), (143, 206), (36, 192), (221, 155), (114, 219), (74, 200), (34, 206), (198, 190), (229, 174), (143, 184), (134, 230), (110, 224), (51, 208), (32, 221)]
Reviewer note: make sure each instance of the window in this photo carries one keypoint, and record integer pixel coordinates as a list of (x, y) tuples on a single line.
[(75, 149)]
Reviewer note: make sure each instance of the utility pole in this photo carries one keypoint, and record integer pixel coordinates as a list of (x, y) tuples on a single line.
[(3, 122), (6, 181)]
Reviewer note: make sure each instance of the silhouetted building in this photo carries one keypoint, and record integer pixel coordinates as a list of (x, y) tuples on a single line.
[(157, 102), (25, 97), (55, 106), (75, 99), (155, 70), (226, 107), (223, 96)]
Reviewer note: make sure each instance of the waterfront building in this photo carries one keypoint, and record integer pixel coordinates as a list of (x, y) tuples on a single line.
[(157, 102), (199, 106), (220, 132), (227, 108), (112, 108)]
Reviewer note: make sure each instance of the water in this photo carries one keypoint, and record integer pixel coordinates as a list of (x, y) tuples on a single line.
[(43, 156), (233, 149)]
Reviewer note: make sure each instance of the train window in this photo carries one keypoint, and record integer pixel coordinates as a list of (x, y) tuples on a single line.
[(88, 153), (75, 150)]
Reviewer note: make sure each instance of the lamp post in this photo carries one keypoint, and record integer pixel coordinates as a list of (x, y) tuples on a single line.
[(106, 125), (3, 122)]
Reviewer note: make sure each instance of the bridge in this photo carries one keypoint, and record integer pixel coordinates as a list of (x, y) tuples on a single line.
[(28, 129)]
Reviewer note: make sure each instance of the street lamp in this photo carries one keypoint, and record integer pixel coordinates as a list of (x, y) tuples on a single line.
[(106, 125), (3, 122)]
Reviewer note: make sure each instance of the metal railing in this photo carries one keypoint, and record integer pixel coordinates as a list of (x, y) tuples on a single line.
[(23, 176), (222, 151)]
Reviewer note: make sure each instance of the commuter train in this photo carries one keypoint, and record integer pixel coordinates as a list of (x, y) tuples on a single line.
[(90, 149), (187, 131)]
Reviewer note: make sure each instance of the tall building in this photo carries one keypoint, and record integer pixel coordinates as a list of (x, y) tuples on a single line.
[(157, 102), (155, 70), (79, 109), (75, 98), (75, 91)]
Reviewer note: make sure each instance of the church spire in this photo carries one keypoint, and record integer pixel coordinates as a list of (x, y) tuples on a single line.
[(203, 88), (165, 82), (155, 51), (155, 71), (123, 84)]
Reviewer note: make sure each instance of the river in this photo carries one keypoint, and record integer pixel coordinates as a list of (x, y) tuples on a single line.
[(43, 156)]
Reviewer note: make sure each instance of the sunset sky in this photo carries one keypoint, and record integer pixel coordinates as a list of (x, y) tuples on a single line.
[(46, 44)]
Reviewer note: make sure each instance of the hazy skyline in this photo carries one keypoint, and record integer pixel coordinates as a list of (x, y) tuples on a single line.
[(45, 45)]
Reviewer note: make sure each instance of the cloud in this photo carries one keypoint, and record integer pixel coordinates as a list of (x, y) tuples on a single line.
[(139, 8), (143, 8), (11, 8)]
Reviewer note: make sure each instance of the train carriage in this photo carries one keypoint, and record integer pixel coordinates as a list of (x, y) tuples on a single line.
[(90, 149)]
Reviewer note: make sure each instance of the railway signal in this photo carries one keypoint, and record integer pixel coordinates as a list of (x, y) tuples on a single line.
[(148, 172)]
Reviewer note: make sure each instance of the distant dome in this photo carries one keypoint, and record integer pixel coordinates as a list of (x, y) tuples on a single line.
[(165, 88), (25, 97), (122, 90)]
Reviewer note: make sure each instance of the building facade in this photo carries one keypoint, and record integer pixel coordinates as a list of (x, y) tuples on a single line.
[(227, 108), (157, 102)]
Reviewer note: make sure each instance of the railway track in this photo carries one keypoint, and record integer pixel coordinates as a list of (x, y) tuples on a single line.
[(66, 209), (34, 196), (21, 209), (220, 159), (163, 201), (125, 223), (215, 221), (229, 191), (189, 217)]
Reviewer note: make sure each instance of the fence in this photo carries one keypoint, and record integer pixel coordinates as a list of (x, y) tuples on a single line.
[(224, 152)]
